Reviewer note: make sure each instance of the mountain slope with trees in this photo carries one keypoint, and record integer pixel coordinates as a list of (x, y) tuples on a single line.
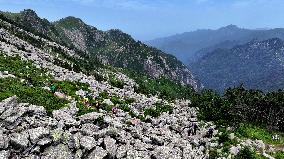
[(191, 46), (257, 65), (101, 111), (112, 47)]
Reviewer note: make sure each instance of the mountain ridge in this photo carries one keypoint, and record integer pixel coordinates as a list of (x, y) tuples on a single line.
[(111, 47), (187, 46), (256, 64)]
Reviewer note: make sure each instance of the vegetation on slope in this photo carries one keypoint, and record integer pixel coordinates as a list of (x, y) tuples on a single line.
[(239, 105)]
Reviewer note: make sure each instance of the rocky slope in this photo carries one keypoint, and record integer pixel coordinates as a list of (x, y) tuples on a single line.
[(112, 47), (258, 65), (30, 131), (191, 46), (27, 132), (38, 124)]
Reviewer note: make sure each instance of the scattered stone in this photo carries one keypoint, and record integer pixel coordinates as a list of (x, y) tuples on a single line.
[(88, 142), (4, 141), (110, 145), (37, 133), (90, 117), (44, 141), (89, 129), (162, 152), (97, 153), (60, 151), (19, 140), (4, 154), (108, 102)]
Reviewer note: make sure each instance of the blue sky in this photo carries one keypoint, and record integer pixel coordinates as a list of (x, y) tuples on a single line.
[(148, 19)]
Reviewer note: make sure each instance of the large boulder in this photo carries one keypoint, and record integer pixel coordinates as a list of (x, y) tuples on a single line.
[(66, 115), (98, 153), (38, 133), (162, 152), (90, 117), (60, 151), (4, 141), (259, 145), (88, 142), (7, 103), (110, 145), (19, 140), (36, 110), (234, 150), (4, 154), (107, 102), (89, 129)]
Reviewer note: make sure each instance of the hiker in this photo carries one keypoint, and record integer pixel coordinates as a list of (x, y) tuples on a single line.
[(29, 80), (190, 130), (210, 132), (86, 101), (275, 137), (195, 128), (52, 88), (114, 110)]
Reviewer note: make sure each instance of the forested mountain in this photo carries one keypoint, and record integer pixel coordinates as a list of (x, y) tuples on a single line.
[(257, 65), (191, 46)]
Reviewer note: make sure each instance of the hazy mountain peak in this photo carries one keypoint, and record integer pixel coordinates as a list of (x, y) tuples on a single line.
[(230, 27), (70, 22), (29, 12)]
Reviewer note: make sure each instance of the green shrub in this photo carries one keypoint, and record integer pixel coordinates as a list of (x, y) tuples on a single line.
[(98, 77), (213, 154), (224, 137), (104, 95), (23, 69), (255, 132), (129, 100), (165, 88), (239, 105), (33, 95), (152, 112), (246, 153), (84, 109), (124, 107), (116, 100), (106, 107), (117, 83), (278, 155), (158, 110)]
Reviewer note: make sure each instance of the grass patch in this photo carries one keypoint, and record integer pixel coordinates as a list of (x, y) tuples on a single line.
[(84, 109), (117, 83), (70, 88), (247, 153), (158, 110), (33, 95), (254, 132), (23, 69), (278, 155)]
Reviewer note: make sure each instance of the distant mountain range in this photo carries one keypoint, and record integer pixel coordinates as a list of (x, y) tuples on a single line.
[(257, 65), (111, 47), (191, 46)]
